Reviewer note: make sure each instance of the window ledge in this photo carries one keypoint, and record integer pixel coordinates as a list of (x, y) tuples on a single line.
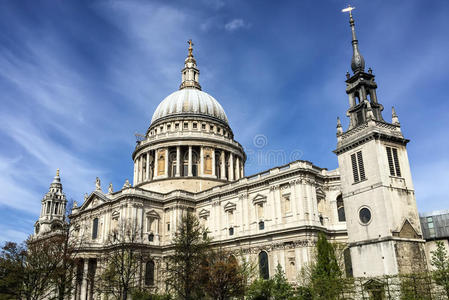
[(360, 181)]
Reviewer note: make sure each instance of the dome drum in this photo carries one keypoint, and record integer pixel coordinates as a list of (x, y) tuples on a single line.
[(208, 165)]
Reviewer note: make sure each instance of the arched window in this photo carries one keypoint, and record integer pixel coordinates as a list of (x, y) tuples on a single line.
[(95, 228), (263, 265), (149, 273), (341, 209)]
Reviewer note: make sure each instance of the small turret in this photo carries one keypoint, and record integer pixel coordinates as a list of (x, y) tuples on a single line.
[(394, 117), (53, 207), (339, 127)]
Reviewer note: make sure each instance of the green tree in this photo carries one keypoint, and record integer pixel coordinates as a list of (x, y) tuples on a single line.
[(27, 270), (260, 289), (326, 276), (282, 290), (440, 262), (190, 246), (275, 288)]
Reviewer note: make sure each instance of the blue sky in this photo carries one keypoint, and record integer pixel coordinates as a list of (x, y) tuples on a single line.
[(79, 78)]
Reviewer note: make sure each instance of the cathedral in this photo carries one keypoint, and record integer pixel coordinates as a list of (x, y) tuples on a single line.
[(189, 161)]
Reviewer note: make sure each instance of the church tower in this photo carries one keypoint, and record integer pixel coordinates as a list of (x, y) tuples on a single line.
[(53, 208), (384, 233)]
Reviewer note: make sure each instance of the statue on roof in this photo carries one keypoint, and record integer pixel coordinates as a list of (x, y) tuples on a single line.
[(97, 184)]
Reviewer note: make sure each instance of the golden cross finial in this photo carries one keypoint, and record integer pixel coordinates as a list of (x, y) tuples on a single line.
[(190, 46), (57, 172)]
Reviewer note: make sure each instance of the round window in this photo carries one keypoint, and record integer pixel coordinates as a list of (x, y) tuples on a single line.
[(365, 215)]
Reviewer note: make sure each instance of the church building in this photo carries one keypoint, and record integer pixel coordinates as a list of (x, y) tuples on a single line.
[(189, 161)]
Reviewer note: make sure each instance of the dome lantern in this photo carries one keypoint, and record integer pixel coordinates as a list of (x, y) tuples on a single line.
[(190, 72)]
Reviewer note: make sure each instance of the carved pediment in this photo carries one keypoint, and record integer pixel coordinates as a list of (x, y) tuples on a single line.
[(259, 199), (204, 214), (320, 193), (153, 214), (93, 200), (230, 206), (115, 215)]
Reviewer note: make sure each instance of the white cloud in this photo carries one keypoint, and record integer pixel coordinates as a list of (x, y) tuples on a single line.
[(236, 24)]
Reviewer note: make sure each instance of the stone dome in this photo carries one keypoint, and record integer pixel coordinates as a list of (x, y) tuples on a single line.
[(190, 102)]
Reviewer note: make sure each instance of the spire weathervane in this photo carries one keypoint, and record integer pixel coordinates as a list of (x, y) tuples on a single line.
[(357, 61)]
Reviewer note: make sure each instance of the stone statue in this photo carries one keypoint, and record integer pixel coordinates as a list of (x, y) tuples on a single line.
[(127, 184), (75, 204), (97, 184), (110, 191), (85, 196)]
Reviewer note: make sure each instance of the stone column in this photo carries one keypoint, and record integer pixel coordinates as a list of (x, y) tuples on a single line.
[(147, 175), (214, 172), (156, 158), (84, 282), (277, 202), (237, 168), (166, 162), (135, 173), (231, 166), (201, 172), (178, 161), (139, 169), (299, 199), (293, 197), (189, 171), (223, 165), (314, 202)]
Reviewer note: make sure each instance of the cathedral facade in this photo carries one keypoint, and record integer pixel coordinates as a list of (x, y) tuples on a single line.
[(188, 161)]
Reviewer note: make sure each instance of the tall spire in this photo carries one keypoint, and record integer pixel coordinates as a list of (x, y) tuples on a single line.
[(190, 73), (357, 61)]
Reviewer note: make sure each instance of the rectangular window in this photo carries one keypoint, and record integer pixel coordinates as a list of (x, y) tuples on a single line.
[(95, 228), (186, 125), (168, 227), (194, 126), (358, 168), (393, 161)]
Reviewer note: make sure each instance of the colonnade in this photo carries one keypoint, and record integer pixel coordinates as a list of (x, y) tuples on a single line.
[(52, 208), (187, 161)]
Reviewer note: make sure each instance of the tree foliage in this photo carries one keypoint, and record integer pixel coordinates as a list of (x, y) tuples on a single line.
[(190, 247), (222, 277), (122, 263), (440, 261), (275, 288), (28, 270), (325, 273)]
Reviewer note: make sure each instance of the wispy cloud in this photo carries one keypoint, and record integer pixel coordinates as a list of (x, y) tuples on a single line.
[(236, 24)]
